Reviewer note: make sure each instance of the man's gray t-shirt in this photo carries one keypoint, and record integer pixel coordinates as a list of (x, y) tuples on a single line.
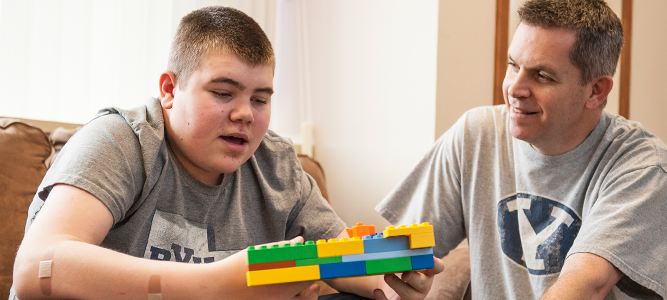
[(161, 212), (524, 212)]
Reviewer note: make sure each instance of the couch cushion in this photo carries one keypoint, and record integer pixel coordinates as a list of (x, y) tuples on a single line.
[(23, 151)]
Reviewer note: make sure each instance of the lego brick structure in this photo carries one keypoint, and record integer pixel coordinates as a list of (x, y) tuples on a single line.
[(396, 249)]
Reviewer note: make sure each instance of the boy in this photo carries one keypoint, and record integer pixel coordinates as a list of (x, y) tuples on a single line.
[(191, 177)]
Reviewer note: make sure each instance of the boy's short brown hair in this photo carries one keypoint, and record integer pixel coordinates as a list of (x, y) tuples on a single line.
[(212, 30)]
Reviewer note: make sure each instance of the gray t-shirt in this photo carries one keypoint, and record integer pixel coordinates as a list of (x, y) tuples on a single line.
[(524, 212), (161, 212)]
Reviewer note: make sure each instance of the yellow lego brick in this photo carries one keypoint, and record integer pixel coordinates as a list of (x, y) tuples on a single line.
[(404, 230), (422, 240), (283, 275), (340, 247)]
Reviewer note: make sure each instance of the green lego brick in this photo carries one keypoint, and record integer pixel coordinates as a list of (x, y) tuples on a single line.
[(264, 254), (319, 261), (388, 265)]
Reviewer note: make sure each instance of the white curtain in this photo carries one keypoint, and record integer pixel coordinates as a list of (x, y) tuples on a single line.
[(62, 60)]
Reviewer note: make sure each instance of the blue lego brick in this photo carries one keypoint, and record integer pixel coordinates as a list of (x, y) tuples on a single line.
[(420, 262), (344, 269), (389, 254), (377, 243)]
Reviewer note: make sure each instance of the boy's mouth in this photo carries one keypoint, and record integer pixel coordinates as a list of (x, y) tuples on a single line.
[(234, 140)]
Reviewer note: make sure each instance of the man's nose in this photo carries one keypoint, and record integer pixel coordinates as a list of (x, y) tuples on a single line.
[(518, 85)]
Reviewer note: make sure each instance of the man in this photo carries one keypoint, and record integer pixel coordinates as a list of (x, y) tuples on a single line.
[(194, 176), (559, 199)]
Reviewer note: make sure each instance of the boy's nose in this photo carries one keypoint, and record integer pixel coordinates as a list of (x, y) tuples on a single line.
[(242, 112)]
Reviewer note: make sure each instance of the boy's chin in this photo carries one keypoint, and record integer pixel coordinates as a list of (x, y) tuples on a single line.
[(230, 166)]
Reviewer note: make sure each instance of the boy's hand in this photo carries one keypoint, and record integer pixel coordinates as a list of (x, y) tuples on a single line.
[(411, 285)]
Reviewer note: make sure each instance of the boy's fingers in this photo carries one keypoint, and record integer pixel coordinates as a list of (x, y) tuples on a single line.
[(298, 239)]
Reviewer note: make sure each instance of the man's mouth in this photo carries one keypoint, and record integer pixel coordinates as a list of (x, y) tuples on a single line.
[(516, 110)]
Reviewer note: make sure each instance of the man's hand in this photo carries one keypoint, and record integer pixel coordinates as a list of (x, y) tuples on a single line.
[(411, 285)]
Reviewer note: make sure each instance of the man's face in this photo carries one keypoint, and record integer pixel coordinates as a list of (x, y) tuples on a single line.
[(217, 121), (542, 90)]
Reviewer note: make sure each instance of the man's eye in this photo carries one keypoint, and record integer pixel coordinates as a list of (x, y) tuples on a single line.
[(544, 77)]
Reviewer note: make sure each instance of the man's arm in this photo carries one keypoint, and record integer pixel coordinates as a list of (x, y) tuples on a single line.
[(411, 285), (73, 223), (584, 276)]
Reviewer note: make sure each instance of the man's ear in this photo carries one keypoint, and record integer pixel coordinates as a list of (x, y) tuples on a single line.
[(601, 86), (167, 88)]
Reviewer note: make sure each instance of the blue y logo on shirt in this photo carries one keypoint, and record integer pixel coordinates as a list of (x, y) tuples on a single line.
[(537, 232)]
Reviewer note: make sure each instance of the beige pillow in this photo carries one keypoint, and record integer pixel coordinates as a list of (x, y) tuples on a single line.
[(23, 151)]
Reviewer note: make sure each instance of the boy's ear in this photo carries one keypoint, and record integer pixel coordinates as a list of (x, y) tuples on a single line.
[(167, 88), (600, 90)]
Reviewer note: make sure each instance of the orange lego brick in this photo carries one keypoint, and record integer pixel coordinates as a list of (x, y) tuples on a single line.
[(405, 230), (272, 265), (273, 276), (340, 247), (361, 230), (422, 240)]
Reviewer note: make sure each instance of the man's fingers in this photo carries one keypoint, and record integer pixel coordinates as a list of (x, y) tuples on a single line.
[(415, 284), (404, 289), (438, 267), (379, 295), (309, 294)]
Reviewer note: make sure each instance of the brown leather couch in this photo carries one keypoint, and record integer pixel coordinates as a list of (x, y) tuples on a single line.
[(28, 146)]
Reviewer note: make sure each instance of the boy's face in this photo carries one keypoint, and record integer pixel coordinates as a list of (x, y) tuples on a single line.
[(216, 122)]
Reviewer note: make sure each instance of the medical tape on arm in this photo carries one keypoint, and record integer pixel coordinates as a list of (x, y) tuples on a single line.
[(154, 288), (45, 269)]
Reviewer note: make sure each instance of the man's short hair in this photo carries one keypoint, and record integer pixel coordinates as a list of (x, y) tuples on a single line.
[(599, 32), (216, 29)]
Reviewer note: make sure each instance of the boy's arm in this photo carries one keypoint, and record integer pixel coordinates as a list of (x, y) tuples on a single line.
[(584, 276), (73, 223), (411, 285)]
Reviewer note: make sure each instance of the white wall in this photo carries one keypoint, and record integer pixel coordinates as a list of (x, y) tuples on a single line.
[(648, 81), (372, 83), (466, 35)]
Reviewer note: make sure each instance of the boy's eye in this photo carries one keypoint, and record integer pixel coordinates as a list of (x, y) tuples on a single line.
[(222, 94), (259, 100)]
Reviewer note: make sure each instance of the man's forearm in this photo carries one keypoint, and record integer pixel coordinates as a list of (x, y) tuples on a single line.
[(584, 276)]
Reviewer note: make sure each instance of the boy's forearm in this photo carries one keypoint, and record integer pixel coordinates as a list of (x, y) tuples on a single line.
[(81, 270), (85, 271)]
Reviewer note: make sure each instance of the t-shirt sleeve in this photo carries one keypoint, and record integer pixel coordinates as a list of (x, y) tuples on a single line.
[(313, 217), (102, 158), (431, 192), (627, 227)]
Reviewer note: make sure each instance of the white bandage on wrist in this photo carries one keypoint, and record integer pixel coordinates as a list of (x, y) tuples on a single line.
[(45, 271)]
